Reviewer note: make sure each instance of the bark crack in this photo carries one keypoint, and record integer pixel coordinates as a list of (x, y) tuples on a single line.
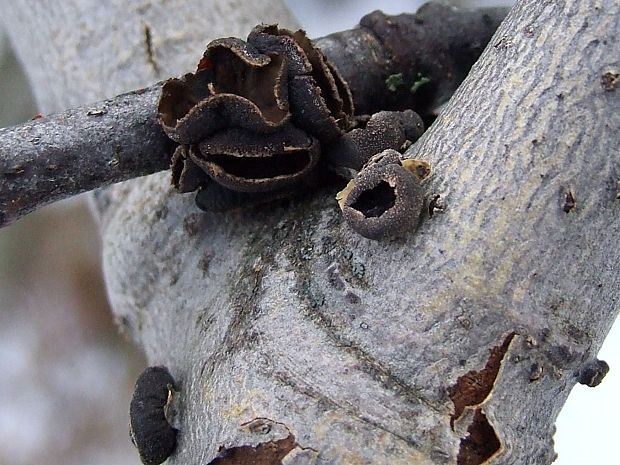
[(481, 442), (148, 45), (474, 387)]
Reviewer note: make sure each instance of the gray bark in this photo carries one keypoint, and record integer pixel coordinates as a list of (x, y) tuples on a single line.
[(456, 345), (79, 150)]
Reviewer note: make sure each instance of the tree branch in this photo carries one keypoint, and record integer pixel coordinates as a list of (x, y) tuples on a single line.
[(460, 344), (79, 150)]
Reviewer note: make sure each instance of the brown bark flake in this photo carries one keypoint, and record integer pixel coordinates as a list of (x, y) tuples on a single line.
[(267, 453), (474, 386)]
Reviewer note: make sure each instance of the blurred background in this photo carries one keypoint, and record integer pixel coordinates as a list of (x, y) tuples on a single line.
[(67, 373)]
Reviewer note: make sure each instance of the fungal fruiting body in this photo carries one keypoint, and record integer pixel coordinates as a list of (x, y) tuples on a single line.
[(383, 130), (385, 198), (264, 118), (253, 115), (149, 428)]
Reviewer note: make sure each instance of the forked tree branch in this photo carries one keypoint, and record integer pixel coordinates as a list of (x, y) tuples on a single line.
[(427, 54), (458, 344)]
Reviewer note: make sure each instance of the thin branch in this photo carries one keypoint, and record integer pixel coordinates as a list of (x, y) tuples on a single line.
[(64, 154), (408, 61)]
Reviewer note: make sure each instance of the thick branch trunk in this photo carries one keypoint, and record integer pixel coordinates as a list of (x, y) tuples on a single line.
[(460, 343)]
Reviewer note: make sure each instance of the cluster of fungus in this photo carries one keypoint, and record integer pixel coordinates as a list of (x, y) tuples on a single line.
[(263, 118)]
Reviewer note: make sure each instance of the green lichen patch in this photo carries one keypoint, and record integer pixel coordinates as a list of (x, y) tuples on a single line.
[(394, 82), (419, 82)]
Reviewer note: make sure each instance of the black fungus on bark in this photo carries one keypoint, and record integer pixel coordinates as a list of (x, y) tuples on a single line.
[(593, 373), (384, 130), (256, 116), (150, 431), (385, 199), (252, 116)]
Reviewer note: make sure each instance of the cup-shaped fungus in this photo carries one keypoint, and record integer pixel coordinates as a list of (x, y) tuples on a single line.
[(253, 114), (385, 199), (384, 130), (254, 118)]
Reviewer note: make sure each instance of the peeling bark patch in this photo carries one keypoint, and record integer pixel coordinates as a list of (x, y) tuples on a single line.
[(474, 387), (437, 204), (536, 371), (481, 442), (610, 80), (266, 453)]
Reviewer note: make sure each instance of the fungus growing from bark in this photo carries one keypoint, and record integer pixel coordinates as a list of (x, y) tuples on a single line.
[(384, 199), (593, 373), (149, 428), (252, 115), (384, 130), (255, 116), (241, 161), (186, 175)]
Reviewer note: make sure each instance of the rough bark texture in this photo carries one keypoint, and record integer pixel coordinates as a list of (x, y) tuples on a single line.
[(79, 150), (457, 345)]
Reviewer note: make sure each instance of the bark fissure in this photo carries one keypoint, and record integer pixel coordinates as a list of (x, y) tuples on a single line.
[(474, 387), (481, 442)]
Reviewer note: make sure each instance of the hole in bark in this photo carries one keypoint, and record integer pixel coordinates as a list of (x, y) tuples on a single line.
[(376, 201), (474, 386), (266, 453), (480, 443), (263, 167)]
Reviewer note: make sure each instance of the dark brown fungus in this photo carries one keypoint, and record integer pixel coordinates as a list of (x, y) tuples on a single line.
[(267, 38), (186, 175), (254, 113), (307, 59), (310, 110), (593, 372), (384, 130), (214, 197), (149, 428), (240, 87), (385, 199), (247, 162)]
